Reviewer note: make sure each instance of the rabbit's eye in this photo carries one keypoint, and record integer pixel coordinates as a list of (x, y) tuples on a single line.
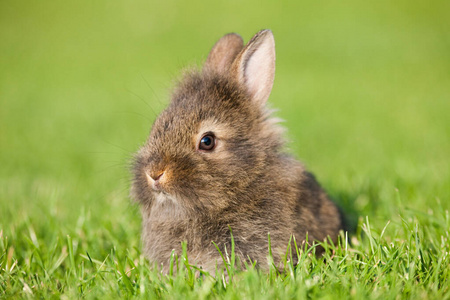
[(207, 142)]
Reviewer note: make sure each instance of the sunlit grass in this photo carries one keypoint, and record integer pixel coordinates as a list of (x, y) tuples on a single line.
[(408, 257)]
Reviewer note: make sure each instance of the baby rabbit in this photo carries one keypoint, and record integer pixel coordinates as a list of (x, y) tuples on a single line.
[(214, 160)]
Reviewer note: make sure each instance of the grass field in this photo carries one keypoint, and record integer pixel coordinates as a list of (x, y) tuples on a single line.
[(365, 92)]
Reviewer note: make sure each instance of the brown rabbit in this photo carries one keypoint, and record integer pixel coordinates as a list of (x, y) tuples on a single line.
[(215, 159)]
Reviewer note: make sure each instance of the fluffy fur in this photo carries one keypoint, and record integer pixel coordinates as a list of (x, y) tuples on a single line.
[(247, 182)]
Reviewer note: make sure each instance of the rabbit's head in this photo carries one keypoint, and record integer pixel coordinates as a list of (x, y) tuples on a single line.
[(212, 147)]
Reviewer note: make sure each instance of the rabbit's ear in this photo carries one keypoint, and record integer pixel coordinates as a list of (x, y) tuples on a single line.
[(255, 66), (224, 52)]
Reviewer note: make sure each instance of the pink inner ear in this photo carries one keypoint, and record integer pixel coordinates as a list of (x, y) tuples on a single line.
[(259, 69)]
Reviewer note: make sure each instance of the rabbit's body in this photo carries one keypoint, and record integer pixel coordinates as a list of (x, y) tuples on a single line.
[(214, 160)]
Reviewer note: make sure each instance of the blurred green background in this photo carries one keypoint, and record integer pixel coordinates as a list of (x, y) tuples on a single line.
[(364, 87)]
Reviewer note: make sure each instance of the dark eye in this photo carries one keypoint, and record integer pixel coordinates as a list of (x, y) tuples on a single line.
[(207, 142)]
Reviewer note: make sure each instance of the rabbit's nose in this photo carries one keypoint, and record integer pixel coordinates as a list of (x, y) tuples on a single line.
[(154, 179), (157, 177)]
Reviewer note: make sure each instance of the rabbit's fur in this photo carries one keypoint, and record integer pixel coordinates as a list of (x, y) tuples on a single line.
[(246, 183)]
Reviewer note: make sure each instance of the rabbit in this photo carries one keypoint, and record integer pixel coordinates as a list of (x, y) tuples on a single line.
[(215, 160)]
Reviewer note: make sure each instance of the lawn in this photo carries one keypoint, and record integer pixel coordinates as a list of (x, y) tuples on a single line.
[(363, 87)]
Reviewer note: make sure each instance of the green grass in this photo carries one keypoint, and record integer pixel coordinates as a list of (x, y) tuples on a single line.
[(365, 92)]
